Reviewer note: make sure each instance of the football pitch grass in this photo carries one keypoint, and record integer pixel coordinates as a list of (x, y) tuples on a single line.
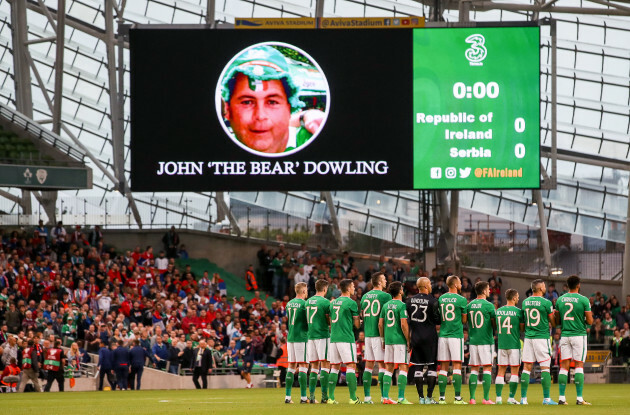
[(606, 399)]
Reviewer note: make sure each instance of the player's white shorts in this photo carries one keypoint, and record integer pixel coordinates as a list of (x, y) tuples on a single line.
[(450, 349), (342, 353), (509, 357), (297, 352), (537, 350), (481, 355), (373, 349), (396, 353), (317, 350), (573, 347)]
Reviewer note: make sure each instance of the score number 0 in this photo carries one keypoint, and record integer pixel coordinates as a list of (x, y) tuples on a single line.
[(519, 149)]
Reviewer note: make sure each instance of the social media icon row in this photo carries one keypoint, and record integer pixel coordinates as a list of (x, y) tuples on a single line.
[(449, 172)]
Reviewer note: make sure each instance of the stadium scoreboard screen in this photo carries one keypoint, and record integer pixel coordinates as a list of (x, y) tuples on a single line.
[(476, 106), (438, 108)]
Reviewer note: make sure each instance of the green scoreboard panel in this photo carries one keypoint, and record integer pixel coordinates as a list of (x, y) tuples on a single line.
[(476, 94)]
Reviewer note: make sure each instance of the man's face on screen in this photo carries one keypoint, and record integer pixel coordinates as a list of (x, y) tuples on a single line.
[(259, 114)]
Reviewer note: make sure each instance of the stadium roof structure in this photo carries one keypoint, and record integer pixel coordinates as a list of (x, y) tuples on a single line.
[(587, 184)]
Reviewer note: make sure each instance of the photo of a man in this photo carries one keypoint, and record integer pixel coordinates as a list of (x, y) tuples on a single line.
[(272, 104)]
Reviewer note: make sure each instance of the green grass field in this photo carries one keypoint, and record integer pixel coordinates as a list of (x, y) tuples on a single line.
[(611, 399)]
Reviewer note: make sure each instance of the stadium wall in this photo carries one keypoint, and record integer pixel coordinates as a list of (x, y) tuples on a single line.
[(157, 380), (229, 252)]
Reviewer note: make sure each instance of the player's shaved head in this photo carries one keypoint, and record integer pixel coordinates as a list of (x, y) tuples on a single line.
[(537, 286), (301, 288), (452, 281), (376, 278), (321, 285), (510, 294), (424, 285)]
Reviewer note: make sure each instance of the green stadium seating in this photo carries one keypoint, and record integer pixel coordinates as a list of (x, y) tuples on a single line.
[(235, 284)]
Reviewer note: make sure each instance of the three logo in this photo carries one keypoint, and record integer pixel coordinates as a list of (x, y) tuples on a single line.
[(477, 52)]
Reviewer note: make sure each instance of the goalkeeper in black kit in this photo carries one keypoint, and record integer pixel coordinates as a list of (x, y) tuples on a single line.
[(423, 319)]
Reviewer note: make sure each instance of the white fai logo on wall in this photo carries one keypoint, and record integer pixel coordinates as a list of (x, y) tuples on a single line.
[(27, 176), (477, 52), (41, 175)]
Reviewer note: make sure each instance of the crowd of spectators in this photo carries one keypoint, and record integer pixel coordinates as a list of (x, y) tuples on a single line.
[(73, 286)]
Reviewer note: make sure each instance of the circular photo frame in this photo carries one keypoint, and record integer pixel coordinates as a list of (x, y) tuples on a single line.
[(272, 99)]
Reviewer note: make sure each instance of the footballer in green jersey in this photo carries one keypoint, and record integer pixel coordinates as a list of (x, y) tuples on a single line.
[(393, 328), (318, 313), (372, 303), (451, 340), (344, 317), (296, 341), (510, 324), (574, 314), (481, 321), (538, 312)]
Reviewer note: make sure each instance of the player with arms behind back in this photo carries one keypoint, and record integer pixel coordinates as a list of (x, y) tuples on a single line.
[(344, 315), (296, 342), (481, 320), (372, 303), (394, 331), (451, 340), (574, 313), (423, 318), (538, 312), (510, 324), (318, 313)]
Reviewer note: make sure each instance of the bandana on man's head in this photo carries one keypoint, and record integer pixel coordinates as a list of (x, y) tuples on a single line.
[(262, 63)]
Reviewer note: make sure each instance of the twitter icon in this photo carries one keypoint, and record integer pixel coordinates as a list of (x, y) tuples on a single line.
[(463, 173)]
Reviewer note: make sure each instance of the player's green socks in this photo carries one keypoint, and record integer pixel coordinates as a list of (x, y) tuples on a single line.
[(312, 382), (487, 384), (524, 383), (351, 379), (332, 383), (562, 383), (402, 384), (323, 380), (457, 382), (498, 383), (442, 382), (545, 381), (303, 381), (367, 382), (513, 385), (381, 373), (288, 381), (472, 383), (578, 378), (387, 383)]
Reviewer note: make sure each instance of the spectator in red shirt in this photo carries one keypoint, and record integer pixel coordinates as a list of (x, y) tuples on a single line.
[(24, 285), (136, 254), (136, 282), (147, 256), (256, 298), (115, 276)]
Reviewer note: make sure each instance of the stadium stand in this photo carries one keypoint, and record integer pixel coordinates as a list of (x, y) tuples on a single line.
[(71, 285)]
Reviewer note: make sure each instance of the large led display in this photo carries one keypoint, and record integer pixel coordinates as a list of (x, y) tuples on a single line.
[(324, 110)]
